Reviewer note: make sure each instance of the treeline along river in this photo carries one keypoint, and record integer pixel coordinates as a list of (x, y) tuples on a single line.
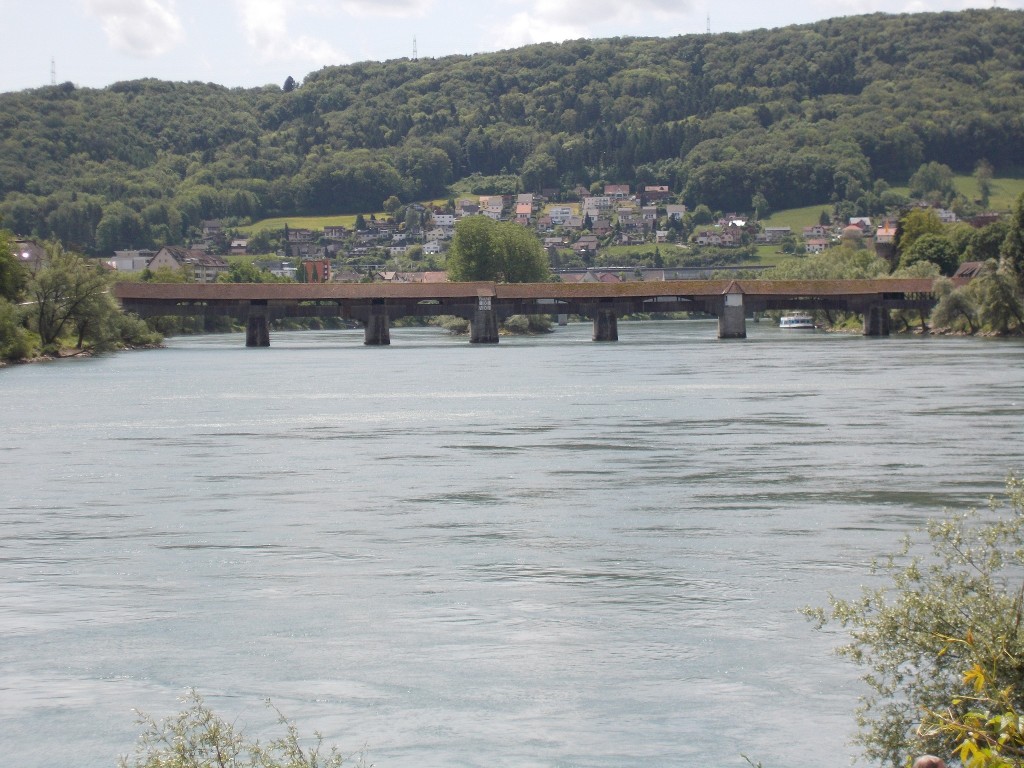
[(547, 552)]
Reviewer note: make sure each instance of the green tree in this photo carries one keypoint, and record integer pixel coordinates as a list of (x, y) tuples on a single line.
[(392, 204), (540, 170), (987, 243), (521, 254), (983, 178), (702, 215), (943, 621), (69, 295), (246, 272), (1012, 250), (473, 251), (12, 273), (955, 308), (996, 295), (413, 220), (759, 203), (14, 341), (916, 223), (483, 249), (933, 248), (933, 182), (844, 262)]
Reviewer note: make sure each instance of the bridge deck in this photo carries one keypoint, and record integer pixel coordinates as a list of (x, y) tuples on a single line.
[(703, 289)]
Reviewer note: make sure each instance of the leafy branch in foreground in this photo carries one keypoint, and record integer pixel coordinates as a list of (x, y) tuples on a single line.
[(942, 643), (987, 724), (199, 738)]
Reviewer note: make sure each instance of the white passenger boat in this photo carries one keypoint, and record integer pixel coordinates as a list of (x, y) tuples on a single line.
[(796, 321)]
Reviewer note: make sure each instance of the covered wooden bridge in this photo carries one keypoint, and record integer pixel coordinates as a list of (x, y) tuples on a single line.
[(484, 304)]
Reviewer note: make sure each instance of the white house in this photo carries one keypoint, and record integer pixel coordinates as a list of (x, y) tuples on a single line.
[(205, 267), (132, 261)]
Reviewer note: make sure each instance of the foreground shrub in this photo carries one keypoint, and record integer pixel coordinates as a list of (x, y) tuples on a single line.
[(942, 642), (198, 738)]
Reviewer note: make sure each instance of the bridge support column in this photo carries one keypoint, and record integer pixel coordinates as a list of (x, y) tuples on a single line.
[(483, 327), (257, 328), (876, 321), (378, 331), (732, 322), (606, 325)]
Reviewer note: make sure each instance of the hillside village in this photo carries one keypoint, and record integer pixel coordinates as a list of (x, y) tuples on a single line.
[(574, 228)]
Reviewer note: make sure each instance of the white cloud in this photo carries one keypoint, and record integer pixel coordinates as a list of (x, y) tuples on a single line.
[(557, 20), (144, 28), (526, 28), (390, 8), (265, 23), (605, 11)]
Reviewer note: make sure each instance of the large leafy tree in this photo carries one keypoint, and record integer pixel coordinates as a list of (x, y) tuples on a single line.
[(473, 253), (915, 224), (933, 182), (942, 642), (934, 248), (483, 249), (69, 295), (987, 242), (521, 254)]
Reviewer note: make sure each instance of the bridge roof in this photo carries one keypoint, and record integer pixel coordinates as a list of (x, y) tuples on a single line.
[(708, 288), (299, 291), (290, 292)]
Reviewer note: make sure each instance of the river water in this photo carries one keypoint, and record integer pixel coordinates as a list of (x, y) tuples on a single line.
[(547, 552)]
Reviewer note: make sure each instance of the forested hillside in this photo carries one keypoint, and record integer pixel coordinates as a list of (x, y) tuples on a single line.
[(797, 115)]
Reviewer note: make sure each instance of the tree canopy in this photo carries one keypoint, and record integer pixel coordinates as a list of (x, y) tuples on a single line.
[(789, 116), (483, 249)]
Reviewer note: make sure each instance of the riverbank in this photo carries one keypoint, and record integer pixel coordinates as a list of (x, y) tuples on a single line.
[(69, 353)]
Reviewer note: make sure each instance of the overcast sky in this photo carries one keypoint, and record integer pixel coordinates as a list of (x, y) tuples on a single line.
[(254, 42)]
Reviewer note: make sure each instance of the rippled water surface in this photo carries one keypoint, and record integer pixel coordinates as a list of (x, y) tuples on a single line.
[(545, 553)]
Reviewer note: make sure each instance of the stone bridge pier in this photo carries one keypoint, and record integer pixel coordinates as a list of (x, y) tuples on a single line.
[(483, 325), (732, 319), (257, 326), (876, 320), (606, 323), (378, 325)]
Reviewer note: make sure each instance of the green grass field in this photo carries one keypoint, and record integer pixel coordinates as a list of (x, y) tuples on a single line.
[(797, 218), (1005, 192), (299, 222)]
